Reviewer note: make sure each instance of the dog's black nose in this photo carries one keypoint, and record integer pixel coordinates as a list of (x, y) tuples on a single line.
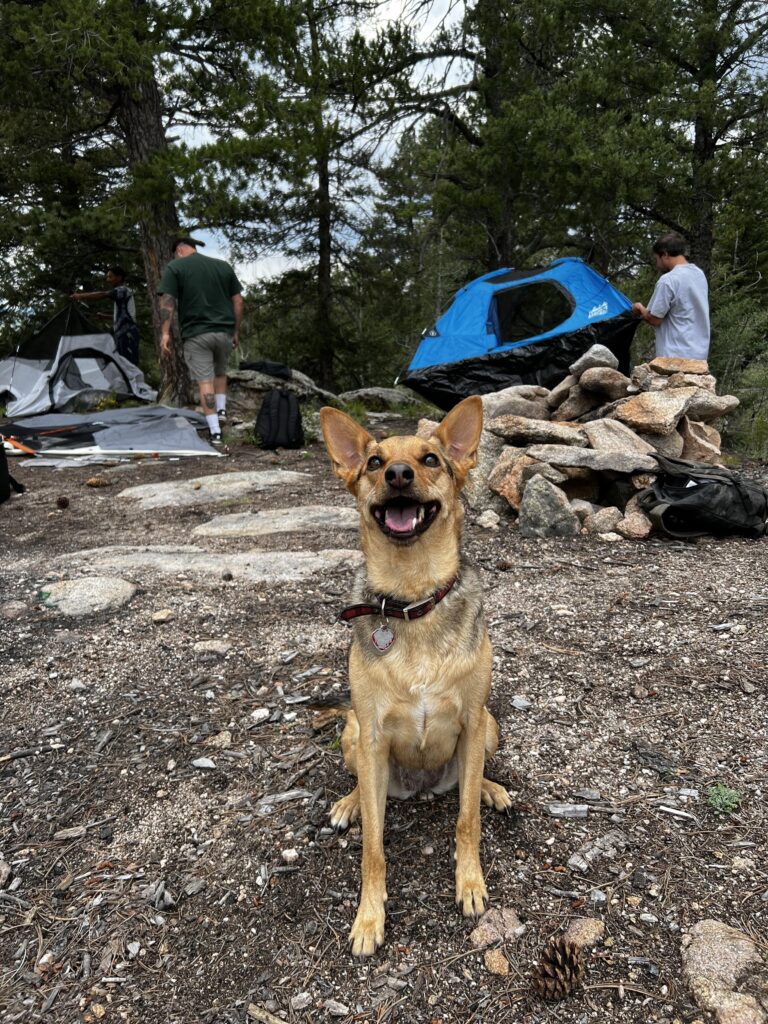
[(399, 475)]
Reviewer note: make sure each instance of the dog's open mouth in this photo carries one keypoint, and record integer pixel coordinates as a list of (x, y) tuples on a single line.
[(403, 518)]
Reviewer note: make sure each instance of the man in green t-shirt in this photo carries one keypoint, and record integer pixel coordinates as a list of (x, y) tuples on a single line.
[(206, 294)]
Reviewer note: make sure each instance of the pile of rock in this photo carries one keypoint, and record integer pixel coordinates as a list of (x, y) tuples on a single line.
[(572, 459)]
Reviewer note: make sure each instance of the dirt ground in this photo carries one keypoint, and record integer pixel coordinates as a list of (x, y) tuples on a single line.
[(629, 679)]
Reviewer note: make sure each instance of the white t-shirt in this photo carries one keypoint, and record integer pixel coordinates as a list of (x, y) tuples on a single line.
[(681, 297)]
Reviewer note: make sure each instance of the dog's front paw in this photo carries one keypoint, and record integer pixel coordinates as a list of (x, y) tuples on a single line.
[(367, 932), (471, 893)]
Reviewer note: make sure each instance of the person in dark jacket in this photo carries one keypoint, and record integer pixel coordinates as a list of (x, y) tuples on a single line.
[(124, 326)]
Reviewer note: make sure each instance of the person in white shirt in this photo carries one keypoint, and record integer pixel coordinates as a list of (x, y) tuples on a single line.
[(679, 307)]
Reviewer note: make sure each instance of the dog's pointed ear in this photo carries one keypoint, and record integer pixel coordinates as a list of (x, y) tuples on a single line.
[(346, 442), (459, 434)]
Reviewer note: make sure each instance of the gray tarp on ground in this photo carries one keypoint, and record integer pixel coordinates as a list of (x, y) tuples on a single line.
[(149, 430)]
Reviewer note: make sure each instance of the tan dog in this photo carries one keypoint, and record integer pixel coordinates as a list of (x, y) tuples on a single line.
[(420, 663)]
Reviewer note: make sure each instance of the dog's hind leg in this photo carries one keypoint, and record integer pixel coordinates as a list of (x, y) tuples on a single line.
[(491, 793), (347, 810), (494, 795)]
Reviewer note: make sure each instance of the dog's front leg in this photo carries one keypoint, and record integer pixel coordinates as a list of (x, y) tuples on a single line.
[(373, 780), (471, 893)]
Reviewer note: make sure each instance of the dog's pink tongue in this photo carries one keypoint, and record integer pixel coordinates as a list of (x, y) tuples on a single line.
[(401, 518)]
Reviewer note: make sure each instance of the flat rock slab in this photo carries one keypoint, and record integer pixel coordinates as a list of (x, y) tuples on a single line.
[(509, 400), (675, 364), (719, 962), (504, 404), (655, 412), (378, 398), (588, 458), (249, 566), (706, 406), (87, 596), (280, 520), (521, 430), (613, 436), (204, 490)]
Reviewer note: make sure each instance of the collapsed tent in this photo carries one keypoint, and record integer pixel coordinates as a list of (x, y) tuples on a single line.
[(519, 327), (69, 364), (147, 430)]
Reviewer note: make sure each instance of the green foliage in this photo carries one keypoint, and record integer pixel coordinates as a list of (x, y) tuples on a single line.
[(106, 402), (722, 799), (358, 411), (739, 360)]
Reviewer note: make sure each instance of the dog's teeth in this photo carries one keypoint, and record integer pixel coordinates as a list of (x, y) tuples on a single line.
[(420, 513)]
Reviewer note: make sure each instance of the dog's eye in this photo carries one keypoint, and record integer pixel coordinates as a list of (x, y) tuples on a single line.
[(431, 460), (375, 462)]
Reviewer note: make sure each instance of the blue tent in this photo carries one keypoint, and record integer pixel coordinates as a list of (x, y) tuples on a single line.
[(519, 327)]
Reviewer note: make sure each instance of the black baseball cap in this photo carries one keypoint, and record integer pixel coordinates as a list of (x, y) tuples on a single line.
[(185, 240)]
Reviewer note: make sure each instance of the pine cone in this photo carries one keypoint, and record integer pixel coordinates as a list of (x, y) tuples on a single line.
[(560, 969)]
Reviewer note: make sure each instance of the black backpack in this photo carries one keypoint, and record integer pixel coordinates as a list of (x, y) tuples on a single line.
[(7, 483), (278, 424), (693, 499)]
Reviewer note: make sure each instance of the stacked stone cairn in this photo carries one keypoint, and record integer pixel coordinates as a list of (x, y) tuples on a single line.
[(572, 459)]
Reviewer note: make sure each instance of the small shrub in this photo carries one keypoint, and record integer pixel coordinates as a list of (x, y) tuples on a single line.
[(722, 799), (357, 410)]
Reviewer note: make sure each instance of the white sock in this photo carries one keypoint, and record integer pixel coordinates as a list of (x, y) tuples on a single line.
[(221, 403), (213, 424)]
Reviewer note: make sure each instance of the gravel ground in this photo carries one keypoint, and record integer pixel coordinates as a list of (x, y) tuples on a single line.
[(630, 679)]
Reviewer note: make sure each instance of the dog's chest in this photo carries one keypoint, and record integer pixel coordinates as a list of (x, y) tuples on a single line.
[(423, 723)]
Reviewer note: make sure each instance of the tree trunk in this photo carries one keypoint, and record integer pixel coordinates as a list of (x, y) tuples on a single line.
[(325, 314), (326, 330), (702, 229), (500, 228), (703, 155), (139, 113)]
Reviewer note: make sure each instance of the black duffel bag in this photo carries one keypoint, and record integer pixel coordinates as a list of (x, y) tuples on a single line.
[(693, 499)]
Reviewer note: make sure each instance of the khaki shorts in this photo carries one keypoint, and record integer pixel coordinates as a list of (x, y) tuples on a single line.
[(207, 355)]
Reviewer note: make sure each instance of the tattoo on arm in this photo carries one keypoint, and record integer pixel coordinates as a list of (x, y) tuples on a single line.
[(237, 309), (167, 308)]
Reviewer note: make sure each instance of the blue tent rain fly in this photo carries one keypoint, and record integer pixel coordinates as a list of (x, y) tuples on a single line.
[(519, 327)]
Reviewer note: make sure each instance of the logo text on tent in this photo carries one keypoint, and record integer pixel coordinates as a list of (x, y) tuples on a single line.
[(600, 310)]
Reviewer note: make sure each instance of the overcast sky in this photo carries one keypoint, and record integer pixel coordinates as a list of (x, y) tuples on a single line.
[(392, 10)]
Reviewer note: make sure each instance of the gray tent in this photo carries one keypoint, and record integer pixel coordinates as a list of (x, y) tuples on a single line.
[(68, 365)]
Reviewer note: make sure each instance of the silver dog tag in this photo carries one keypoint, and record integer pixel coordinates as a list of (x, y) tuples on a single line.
[(382, 639)]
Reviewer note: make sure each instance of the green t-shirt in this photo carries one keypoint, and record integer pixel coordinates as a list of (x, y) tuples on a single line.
[(203, 288)]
